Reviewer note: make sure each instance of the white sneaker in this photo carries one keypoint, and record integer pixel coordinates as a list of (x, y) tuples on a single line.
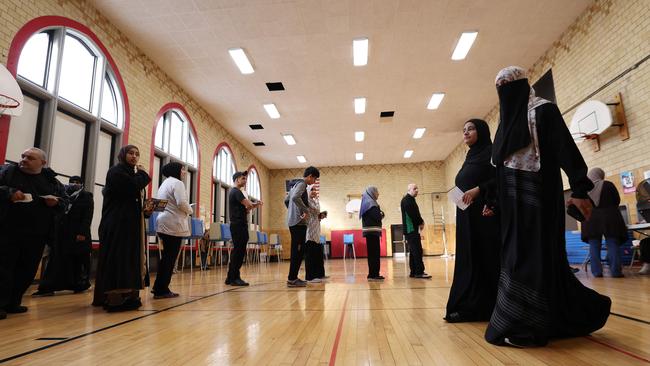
[(315, 280), (645, 269)]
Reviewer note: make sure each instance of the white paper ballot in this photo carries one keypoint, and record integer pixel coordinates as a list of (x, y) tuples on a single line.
[(456, 196), (50, 196), (28, 198)]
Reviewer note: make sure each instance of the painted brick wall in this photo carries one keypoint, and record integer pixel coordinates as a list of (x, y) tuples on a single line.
[(148, 87)]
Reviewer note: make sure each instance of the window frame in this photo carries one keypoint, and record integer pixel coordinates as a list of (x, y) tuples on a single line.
[(221, 182)]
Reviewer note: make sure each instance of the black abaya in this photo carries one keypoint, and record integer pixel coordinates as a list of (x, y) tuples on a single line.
[(120, 266), (538, 295), (476, 272)]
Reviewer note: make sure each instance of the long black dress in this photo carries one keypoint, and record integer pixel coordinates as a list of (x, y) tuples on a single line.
[(538, 296), (120, 265), (476, 273)]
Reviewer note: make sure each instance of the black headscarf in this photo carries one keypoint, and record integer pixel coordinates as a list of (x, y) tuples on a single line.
[(121, 156), (172, 169), (481, 151), (513, 133)]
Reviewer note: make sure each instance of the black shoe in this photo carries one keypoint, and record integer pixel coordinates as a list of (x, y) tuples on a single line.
[(454, 317), (41, 293), (18, 309), (3, 314), (238, 282), (423, 275), (228, 281)]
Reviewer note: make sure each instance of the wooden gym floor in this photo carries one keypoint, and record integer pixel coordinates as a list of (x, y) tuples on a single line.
[(346, 321)]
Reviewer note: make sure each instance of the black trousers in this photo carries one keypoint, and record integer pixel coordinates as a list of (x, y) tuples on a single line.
[(645, 250), (171, 247), (314, 265), (298, 237), (19, 259), (81, 265), (415, 253), (239, 241), (372, 242)]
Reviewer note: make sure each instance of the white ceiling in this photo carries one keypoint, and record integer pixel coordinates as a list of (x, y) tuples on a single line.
[(307, 45)]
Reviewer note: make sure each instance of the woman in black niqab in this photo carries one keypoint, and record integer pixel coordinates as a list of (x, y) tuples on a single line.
[(476, 273)]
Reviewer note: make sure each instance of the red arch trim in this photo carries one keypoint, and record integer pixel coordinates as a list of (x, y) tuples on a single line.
[(222, 145), (19, 41), (168, 107), (252, 166)]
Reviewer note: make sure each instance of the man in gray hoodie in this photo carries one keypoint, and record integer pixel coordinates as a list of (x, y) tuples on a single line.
[(297, 211)]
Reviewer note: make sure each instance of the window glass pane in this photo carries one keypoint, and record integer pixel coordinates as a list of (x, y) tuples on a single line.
[(104, 157), (175, 135), (98, 199), (155, 176), (67, 153), (77, 72), (22, 130), (159, 133), (33, 58), (109, 103)]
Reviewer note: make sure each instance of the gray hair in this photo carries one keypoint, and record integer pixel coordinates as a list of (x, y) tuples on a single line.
[(41, 152)]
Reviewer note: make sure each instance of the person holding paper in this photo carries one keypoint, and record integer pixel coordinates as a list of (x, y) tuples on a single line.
[(413, 224), (476, 272), (171, 225), (31, 199), (121, 266), (538, 297), (371, 216)]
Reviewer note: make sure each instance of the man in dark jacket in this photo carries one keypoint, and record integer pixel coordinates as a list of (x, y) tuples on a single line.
[(412, 225), (30, 199), (68, 267)]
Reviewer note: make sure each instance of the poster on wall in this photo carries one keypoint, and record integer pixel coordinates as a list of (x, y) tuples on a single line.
[(627, 181)]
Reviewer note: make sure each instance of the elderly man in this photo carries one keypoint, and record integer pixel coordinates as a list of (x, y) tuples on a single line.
[(30, 199), (413, 224)]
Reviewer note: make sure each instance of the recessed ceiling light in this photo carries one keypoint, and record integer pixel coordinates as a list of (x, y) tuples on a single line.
[(289, 139), (272, 111), (359, 136), (241, 60), (464, 44), (360, 51), (408, 153), (435, 101), (358, 156), (419, 132), (359, 105), (301, 159)]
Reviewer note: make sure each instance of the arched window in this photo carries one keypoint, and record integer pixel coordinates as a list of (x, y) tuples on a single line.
[(74, 103), (255, 192), (223, 168), (174, 140)]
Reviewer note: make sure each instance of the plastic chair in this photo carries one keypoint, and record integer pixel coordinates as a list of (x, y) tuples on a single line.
[(215, 242), (226, 236), (348, 240), (323, 242), (251, 246), (274, 244), (196, 233), (636, 252)]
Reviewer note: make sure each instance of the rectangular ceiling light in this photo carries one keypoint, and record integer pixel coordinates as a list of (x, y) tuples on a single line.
[(359, 136), (301, 159), (464, 44), (289, 139), (241, 60), (360, 51), (419, 132), (435, 101), (408, 153), (359, 105), (272, 111), (358, 156)]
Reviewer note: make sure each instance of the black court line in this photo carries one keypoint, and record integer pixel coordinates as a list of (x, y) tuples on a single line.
[(631, 318), (298, 310), (154, 312), (51, 338)]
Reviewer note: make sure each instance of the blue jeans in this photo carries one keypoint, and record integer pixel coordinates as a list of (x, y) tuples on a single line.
[(613, 256)]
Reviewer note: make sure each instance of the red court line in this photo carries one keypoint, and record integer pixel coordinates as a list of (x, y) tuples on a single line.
[(339, 331), (617, 349)]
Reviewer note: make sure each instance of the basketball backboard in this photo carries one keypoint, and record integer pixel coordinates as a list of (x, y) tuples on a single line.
[(11, 97), (592, 117)]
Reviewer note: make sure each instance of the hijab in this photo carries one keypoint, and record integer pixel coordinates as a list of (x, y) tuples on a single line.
[(172, 169), (597, 176), (517, 131), (481, 150), (368, 200), (121, 156)]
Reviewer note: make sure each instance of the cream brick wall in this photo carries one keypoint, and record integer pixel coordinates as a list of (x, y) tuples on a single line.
[(609, 37), (336, 183), (148, 87)]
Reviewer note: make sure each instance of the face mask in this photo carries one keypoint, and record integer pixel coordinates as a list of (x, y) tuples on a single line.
[(71, 188)]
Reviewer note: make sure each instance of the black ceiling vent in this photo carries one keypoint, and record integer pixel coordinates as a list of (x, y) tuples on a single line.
[(386, 114), (256, 127), (259, 143), (275, 86)]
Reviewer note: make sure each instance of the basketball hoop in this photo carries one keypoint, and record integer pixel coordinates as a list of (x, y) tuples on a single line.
[(7, 102)]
